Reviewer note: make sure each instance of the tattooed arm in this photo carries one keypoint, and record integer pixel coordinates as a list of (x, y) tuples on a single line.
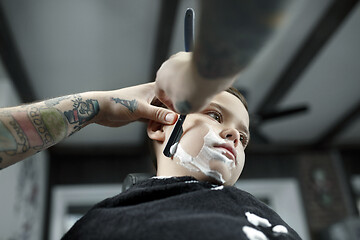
[(231, 33), (28, 129)]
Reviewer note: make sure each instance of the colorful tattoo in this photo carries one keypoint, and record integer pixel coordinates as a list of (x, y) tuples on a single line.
[(129, 104), (31, 124), (31, 127), (22, 143), (37, 126), (54, 122), (83, 111), (7, 140)]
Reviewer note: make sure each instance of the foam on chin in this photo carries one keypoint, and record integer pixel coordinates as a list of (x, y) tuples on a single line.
[(201, 163)]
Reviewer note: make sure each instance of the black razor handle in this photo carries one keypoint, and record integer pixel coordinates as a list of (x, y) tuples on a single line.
[(189, 44)]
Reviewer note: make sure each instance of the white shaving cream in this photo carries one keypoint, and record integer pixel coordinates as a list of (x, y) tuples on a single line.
[(253, 234), (207, 154), (161, 177), (218, 188), (256, 220), (280, 229)]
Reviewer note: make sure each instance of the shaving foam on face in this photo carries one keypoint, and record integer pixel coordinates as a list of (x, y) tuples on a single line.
[(207, 154)]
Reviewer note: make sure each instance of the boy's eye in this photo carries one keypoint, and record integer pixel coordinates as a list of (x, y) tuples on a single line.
[(243, 139), (216, 116)]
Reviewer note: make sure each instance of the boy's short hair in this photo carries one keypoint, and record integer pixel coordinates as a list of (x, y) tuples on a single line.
[(232, 90), (158, 103)]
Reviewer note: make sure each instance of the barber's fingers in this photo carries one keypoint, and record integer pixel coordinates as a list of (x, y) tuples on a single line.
[(158, 114), (182, 107), (165, 99)]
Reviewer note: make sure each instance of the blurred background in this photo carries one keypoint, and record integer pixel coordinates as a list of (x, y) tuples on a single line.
[(302, 88)]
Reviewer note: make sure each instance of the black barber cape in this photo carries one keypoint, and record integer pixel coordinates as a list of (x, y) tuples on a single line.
[(181, 208)]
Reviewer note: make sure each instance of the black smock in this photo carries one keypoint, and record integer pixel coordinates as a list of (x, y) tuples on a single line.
[(180, 208)]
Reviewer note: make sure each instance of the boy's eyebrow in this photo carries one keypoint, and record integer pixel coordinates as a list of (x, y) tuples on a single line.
[(224, 109)]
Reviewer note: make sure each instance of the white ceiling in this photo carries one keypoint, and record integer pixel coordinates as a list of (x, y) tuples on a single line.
[(72, 46), (330, 85)]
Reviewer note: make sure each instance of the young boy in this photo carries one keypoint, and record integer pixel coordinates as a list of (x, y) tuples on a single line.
[(191, 202), (191, 197)]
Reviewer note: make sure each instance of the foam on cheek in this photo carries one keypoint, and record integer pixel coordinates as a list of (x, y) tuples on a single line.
[(201, 163)]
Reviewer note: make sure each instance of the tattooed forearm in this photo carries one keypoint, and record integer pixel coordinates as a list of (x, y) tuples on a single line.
[(54, 127), (35, 127), (12, 138), (129, 104), (20, 142), (28, 129), (231, 34), (83, 111)]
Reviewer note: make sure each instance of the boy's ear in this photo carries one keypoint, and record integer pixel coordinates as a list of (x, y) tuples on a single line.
[(155, 131)]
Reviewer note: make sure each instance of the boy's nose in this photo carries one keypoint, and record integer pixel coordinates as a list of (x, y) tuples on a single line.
[(232, 135)]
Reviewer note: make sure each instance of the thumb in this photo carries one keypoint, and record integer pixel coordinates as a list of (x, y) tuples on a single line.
[(161, 115)]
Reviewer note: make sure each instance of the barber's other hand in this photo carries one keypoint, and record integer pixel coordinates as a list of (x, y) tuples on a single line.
[(120, 107), (182, 89)]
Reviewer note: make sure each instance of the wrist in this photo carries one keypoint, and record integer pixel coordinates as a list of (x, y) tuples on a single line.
[(96, 104), (204, 89), (80, 110)]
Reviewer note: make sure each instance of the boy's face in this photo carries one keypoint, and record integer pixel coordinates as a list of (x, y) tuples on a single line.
[(213, 142)]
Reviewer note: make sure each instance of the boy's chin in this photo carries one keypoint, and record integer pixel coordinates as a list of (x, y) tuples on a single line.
[(219, 174), (214, 178)]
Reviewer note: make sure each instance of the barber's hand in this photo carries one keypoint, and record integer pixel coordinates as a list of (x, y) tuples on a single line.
[(182, 89), (120, 107)]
